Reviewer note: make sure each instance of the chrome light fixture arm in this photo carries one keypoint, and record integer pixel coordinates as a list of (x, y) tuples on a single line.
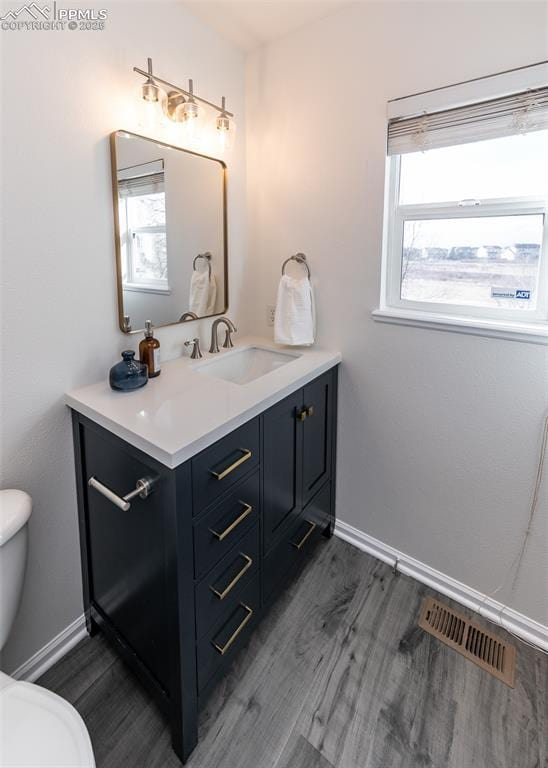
[(154, 80)]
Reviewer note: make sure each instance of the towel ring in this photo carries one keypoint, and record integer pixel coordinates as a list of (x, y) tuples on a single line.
[(207, 256), (300, 258)]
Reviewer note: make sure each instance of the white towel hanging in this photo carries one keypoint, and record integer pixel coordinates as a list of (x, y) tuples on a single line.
[(199, 293), (203, 289), (294, 321), (211, 295)]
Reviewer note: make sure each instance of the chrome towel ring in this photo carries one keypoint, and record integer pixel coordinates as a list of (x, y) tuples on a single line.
[(207, 256), (300, 258)]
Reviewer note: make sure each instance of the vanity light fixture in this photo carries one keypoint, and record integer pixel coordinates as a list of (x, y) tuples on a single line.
[(184, 107)]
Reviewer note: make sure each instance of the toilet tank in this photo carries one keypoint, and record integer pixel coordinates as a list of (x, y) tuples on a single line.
[(15, 509)]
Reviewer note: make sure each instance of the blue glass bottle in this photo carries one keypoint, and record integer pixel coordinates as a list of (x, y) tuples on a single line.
[(129, 373)]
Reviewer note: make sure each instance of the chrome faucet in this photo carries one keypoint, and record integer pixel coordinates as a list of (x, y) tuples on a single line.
[(195, 345), (188, 316), (230, 328)]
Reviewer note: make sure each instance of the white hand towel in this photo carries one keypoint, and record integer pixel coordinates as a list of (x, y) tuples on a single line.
[(199, 293), (211, 296), (294, 320)]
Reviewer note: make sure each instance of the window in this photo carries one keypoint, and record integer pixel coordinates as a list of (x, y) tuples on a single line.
[(466, 224), (143, 228)]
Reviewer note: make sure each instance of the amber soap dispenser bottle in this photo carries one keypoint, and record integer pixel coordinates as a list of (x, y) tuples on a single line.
[(149, 351)]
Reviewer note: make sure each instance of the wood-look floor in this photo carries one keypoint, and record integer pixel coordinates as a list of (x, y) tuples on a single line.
[(338, 676)]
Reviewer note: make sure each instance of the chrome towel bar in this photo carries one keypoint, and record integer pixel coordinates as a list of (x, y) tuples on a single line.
[(143, 487)]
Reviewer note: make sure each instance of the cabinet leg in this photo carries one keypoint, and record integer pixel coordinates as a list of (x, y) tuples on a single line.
[(91, 625), (329, 531), (183, 740)]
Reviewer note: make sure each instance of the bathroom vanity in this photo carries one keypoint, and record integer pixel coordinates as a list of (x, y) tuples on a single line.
[(200, 499)]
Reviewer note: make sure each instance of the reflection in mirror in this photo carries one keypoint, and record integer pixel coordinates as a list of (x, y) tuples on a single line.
[(170, 236)]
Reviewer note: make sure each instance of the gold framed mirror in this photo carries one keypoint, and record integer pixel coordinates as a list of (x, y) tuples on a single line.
[(170, 222)]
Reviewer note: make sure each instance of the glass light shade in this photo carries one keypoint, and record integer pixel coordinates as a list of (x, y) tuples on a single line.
[(150, 91), (151, 103), (190, 110), (192, 124), (225, 131)]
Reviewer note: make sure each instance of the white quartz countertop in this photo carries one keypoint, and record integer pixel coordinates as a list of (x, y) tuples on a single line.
[(184, 410)]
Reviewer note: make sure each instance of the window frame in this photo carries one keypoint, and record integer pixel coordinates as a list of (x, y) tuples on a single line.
[(132, 281), (395, 216)]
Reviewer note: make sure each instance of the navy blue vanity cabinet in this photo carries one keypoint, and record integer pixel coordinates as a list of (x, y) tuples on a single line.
[(318, 409), (178, 574), (299, 472), (282, 466)]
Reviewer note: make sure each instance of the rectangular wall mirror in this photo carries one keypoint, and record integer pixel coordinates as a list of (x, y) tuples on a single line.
[(170, 231)]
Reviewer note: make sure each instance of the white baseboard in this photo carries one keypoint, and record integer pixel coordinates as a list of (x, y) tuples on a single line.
[(46, 657), (525, 628), (529, 630)]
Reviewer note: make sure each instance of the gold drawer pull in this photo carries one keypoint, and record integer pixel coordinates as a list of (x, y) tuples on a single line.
[(224, 648), (232, 467), (248, 509), (310, 531), (235, 580), (305, 413)]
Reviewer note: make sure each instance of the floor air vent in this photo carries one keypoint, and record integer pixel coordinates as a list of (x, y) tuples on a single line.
[(483, 648)]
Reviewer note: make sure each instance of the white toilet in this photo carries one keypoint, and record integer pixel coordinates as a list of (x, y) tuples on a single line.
[(39, 729)]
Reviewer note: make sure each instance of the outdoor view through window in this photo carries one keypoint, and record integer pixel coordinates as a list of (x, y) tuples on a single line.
[(145, 263), (472, 218)]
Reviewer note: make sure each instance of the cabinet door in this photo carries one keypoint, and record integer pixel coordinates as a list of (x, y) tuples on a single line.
[(282, 460), (126, 549), (317, 437)]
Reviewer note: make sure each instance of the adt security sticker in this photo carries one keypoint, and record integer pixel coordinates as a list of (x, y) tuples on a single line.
[(515, 293)]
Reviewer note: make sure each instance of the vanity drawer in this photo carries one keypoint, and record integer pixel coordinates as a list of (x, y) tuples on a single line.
[(218, 647), (292, 551), (220, 591), (217, 468), (218, 530)]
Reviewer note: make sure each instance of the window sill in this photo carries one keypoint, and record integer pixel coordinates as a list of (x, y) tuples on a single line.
[(532, 333), (144, 288)]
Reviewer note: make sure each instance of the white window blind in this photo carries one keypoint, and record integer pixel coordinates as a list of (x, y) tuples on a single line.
[(142, 179), (141, 185), (494, 118)]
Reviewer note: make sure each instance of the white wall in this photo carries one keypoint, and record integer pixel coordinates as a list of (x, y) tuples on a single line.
[(63, 93), (439, 433)]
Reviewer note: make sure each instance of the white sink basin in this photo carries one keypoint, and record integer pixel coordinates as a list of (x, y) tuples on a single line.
[(245, 365)]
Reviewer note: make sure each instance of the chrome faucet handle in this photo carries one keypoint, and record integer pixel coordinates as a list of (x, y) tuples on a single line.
[(196, 351), (228, 343)]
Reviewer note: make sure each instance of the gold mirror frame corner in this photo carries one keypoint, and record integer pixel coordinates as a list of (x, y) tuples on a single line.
[(118, 252)]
